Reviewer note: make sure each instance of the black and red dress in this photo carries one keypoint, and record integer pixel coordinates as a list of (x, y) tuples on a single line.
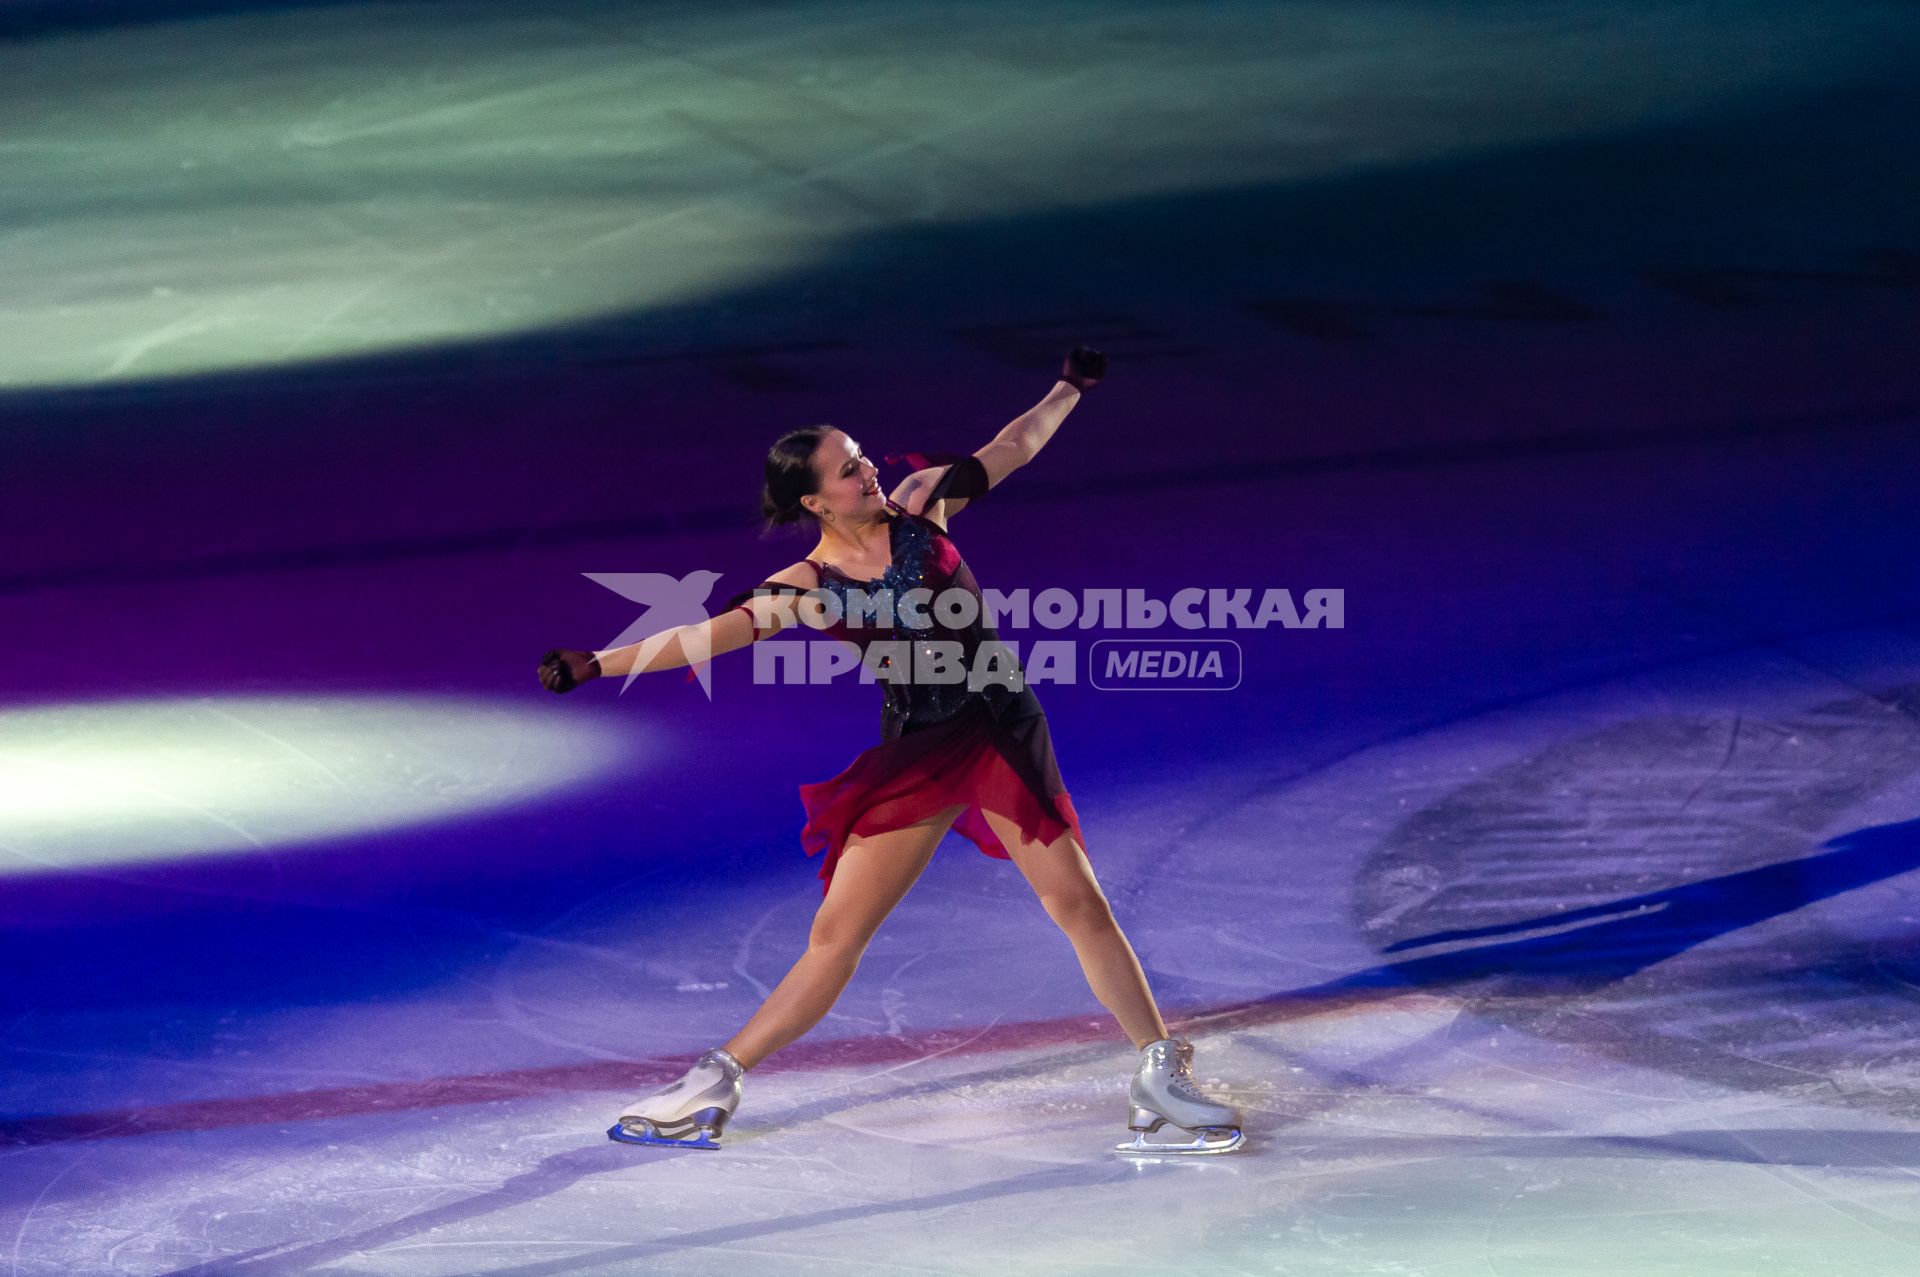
[(984, 747)]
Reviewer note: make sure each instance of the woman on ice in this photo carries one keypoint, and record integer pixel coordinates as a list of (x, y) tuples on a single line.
[(973, 754)]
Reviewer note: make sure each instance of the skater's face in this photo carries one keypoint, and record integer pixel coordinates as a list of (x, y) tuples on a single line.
[(849, 483)]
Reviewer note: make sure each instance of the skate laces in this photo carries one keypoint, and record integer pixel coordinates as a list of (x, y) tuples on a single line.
[(1180, 1084), (1180, 1081)]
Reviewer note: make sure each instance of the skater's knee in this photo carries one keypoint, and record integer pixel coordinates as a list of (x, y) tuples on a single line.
[(1080, 911), (838, 940)]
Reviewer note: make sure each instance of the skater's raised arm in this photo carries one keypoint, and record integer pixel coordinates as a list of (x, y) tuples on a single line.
[(1018, 442), (564, 669)]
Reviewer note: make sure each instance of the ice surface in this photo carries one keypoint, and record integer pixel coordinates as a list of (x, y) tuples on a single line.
[(1556, 916), (315, 181)]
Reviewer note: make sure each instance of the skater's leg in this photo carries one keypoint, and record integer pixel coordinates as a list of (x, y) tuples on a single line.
[(1064, 881), (870, 879)]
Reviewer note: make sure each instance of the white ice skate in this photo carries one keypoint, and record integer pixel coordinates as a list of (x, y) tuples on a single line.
[(700, 1102), (1163, 1093)]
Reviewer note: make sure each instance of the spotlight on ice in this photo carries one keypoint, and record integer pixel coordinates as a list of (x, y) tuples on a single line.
[(122, 782), (269, 186)]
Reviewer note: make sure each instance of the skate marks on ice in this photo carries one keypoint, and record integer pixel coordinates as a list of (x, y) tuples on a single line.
[(447, 1190), (1644, 891), (278, 1261), (1723, 895), (550, 1177), (1608, 838), (611, 1076), (415, 181), (1402, 1128), (867, 1163)]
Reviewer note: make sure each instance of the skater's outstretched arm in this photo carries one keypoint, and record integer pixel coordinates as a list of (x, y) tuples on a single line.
[(564, 669), (1018, 442)]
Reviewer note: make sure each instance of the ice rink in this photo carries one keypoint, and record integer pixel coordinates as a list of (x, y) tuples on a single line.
[(1556, 914)]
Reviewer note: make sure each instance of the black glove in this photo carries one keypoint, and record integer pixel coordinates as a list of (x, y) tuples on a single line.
[(1084, 367), (564, 669)]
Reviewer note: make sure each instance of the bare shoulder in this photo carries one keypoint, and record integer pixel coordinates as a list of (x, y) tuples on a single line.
[(774, 610), (802, 574)]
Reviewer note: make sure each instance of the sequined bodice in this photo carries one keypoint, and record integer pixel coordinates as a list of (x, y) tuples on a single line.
[(923, 558), (911, 540)]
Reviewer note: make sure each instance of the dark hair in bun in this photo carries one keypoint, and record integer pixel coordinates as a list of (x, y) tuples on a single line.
[(790, 476)]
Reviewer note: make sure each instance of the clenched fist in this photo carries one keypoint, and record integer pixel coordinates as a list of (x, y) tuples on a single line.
[(1084, 367), (564, 669)]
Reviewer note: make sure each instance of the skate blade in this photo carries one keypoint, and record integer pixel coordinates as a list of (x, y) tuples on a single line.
[(1203, 1146), (625, 1136)]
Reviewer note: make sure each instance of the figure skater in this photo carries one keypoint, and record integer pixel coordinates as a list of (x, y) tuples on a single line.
[(974, 755)]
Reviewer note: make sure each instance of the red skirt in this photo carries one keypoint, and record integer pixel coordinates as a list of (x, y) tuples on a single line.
[(973, 759)]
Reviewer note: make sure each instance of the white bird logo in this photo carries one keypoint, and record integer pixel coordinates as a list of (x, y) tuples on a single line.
[(677, 603)]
